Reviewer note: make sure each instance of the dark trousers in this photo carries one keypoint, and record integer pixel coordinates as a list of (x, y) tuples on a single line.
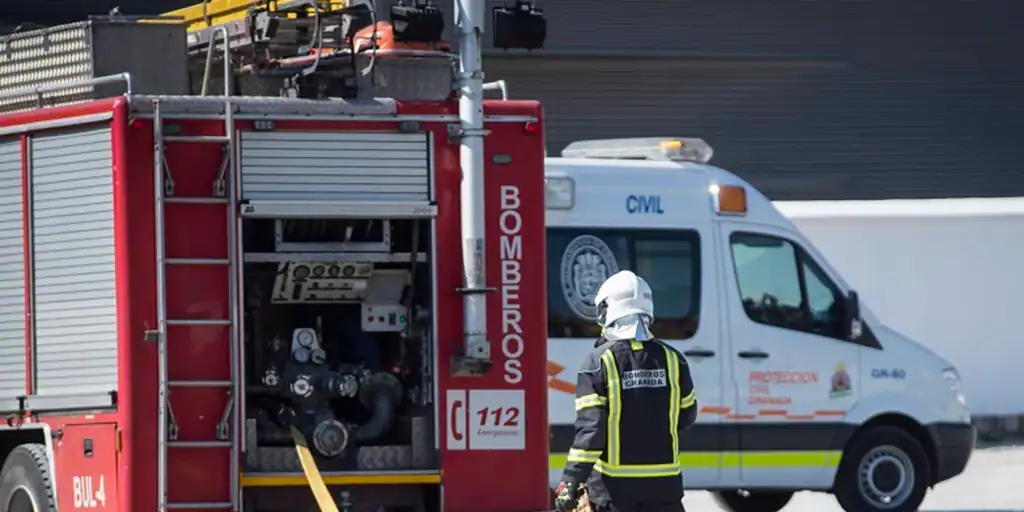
[(635, 494)]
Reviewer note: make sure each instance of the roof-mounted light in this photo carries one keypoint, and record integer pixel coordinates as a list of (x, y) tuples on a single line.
[(559, 193), (729, 199), (651, 148)]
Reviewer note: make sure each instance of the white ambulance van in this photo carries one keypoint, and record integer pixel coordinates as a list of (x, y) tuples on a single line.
[(800, 387)]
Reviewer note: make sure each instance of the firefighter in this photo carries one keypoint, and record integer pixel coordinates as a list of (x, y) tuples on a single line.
[(634, 395)]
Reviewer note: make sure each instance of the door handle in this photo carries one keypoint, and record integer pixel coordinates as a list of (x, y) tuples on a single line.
[(753, 354), (699, 353)]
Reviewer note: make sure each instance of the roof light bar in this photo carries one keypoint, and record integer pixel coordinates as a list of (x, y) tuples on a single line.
[(647, 148), (680, 150)]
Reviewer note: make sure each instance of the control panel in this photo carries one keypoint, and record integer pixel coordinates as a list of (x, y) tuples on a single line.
[(382, 309), (384, 317)]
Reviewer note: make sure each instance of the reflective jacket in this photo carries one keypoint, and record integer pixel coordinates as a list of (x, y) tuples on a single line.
[(633, 399)]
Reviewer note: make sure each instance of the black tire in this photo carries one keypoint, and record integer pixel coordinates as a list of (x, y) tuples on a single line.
[(754, 501), (896, 449), (25, 482)]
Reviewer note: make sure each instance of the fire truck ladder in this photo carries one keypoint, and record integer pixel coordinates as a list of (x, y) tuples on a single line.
[(225, 438)]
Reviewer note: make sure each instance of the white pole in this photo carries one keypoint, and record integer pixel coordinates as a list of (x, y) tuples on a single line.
[(469, 20)]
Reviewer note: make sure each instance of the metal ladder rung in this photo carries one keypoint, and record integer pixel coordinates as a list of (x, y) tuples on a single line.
[(220, 139), (197, 261), (198, 321), (200, 383), (195, 200), (199, 444), (198, 505)]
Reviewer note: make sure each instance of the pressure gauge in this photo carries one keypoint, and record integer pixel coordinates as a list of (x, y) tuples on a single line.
[(301, 355), (305, 337)]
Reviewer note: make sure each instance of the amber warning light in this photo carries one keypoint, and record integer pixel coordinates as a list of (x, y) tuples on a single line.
[(729, 199)]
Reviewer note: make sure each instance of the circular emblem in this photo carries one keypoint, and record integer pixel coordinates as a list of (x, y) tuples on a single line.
[(586, 263)]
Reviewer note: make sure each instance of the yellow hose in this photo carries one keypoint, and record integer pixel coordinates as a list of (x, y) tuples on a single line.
[(316, 480)]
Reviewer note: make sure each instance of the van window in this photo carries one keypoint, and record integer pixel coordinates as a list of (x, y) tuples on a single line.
[(579, 260), (780, 285)]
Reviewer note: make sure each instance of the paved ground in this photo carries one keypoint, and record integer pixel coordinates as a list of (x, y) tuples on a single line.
[(993, 482)]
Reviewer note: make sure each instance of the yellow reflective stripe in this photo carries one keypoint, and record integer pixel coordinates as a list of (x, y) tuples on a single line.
[(585, 456), (591, 400), (672, 362), (637, 470), (695, 460), (614, 405), (689, 400)]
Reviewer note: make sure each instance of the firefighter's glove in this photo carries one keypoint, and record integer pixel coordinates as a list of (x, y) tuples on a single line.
[(566, 496)]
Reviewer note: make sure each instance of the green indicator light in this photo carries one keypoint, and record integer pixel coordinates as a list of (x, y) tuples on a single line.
[(401, 319)]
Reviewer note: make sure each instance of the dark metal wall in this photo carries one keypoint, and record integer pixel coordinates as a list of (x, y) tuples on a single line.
[(807, 99)]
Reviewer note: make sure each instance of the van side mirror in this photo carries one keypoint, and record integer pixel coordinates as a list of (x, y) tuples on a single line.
[(852, 320)]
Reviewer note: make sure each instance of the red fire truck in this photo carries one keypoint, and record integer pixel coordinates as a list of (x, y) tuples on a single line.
[(319, 278)]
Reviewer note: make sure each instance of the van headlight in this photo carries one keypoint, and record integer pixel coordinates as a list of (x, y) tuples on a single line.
[(952, 378)]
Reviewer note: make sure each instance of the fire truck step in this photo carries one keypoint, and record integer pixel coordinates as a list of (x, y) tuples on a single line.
[(343, 478), (197, 261), (199, 321), (200, 383), (195, 200), (199, 506), (197, 138), (199, 444)]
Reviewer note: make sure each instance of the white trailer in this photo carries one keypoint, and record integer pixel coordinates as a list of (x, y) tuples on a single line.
[(946, 272)]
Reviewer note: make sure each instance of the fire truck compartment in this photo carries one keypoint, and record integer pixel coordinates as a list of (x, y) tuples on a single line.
[(337, 331)]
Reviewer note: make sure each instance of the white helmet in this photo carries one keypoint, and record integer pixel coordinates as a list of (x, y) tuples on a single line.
[(621, 295)]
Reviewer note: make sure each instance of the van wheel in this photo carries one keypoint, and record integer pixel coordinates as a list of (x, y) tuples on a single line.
[(754, 501), (25, 483), (884, 469)]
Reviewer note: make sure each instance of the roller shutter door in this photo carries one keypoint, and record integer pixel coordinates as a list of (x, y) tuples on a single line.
[(73, 255)]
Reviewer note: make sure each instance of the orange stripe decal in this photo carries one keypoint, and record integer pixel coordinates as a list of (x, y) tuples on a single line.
[(709, 409), (554, 370), (772, 413), (558, 384), (799, 417)]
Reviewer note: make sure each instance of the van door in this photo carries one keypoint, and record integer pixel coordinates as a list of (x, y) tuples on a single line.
[(792, 365), (676, 263)]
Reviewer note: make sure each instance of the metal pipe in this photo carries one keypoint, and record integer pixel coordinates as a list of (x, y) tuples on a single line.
[(161, 308), (498, 85), (208, 68), (469, 20), (227, 63), (238, 416), (239, 272), (39, 90)]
